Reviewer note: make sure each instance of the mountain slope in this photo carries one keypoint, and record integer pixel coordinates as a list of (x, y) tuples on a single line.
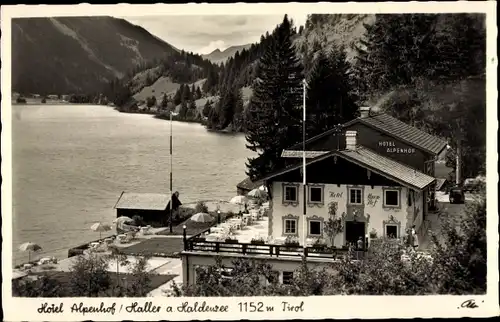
[(218, 56), (77, 54)]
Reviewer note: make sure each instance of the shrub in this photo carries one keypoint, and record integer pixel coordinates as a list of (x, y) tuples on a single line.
[(138, 220), (89, 276), (201, 207), (43, 286)]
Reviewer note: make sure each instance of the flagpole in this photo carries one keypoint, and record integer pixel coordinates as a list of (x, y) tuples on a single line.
[(304, 83), (172, 113)]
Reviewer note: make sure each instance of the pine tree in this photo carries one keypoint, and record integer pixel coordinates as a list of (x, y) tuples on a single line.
[(183, 111), (398, 50), (192, 105), (329, 96), (164, 101), (226, 108), (207, 108), (186, 93), (178, 95), (238, 110), (193, 90), (273, 119)]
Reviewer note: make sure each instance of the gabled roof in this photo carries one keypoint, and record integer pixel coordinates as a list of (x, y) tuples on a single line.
[(143, 201), (377, 163), (300, 154), (395, 128), (248, 184)]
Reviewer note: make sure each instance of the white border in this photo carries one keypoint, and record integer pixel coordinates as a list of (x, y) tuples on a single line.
[(319, 307)]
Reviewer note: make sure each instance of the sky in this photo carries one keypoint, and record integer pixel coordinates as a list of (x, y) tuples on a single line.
[(204, 34)]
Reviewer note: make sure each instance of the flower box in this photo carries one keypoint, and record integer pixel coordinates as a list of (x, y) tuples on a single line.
[(319, 246), (257, 242), (231, 241), (199, 239)]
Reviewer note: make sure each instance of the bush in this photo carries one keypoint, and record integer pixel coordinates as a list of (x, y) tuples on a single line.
[(90, 276), (201, 207), (21, 100), (43, 286), (138, 221)]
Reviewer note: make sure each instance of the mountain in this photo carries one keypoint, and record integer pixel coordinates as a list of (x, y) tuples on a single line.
[(217, 56), (61, 55)]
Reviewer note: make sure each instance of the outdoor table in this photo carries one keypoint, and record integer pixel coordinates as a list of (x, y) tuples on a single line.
[(94, 244), (45, 260), (27, 266), (145, 231)]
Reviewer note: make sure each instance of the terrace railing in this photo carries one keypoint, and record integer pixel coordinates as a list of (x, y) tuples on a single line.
[(230, 248)]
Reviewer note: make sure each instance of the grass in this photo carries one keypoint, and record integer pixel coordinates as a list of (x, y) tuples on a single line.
[(160, 247), (63, 278)]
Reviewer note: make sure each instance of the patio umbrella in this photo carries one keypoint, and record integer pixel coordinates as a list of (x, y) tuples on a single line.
[(256, 193), (100, 227), (121, 220), (201, 217), (238, 200), (30, 247)]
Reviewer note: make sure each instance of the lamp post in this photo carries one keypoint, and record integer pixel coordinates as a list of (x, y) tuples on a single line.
[(172, 113), (304, 86)]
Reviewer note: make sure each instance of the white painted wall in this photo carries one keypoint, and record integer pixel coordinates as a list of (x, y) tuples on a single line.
[(334, 193)]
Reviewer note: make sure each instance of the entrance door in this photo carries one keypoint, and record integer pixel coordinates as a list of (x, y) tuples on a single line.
[(354, 230)]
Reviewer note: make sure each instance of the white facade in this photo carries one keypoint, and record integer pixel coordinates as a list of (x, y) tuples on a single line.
[(384, 209)]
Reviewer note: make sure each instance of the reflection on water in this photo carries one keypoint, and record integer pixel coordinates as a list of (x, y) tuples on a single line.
[(70, 164)]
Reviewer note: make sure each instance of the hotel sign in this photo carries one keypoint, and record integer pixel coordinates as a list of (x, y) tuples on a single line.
[(391, 148)]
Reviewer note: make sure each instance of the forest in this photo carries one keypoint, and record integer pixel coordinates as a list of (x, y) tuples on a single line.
[(425, 69)]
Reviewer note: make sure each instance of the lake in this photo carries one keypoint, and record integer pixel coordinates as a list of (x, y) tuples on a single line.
[(71, 163)]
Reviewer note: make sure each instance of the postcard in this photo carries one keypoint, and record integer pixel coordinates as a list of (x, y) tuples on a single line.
[(249, 161)]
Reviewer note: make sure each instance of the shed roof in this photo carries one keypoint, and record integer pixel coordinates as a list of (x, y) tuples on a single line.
[(143, 201), (375, 162)]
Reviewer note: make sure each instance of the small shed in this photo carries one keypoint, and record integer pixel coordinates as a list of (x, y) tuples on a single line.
[(247, 185), (152, 207)]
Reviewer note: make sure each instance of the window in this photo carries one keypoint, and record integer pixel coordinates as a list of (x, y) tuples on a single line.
[(355, 196), (287, 277), (391, 198), (290, 194), (315, 227), (291, 226), (316, 194), (391, 231)]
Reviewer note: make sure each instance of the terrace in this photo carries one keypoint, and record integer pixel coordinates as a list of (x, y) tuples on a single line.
[(247, 235)]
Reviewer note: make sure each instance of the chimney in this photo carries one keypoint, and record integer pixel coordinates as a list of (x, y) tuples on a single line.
[(350, 140), (364, 111)]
